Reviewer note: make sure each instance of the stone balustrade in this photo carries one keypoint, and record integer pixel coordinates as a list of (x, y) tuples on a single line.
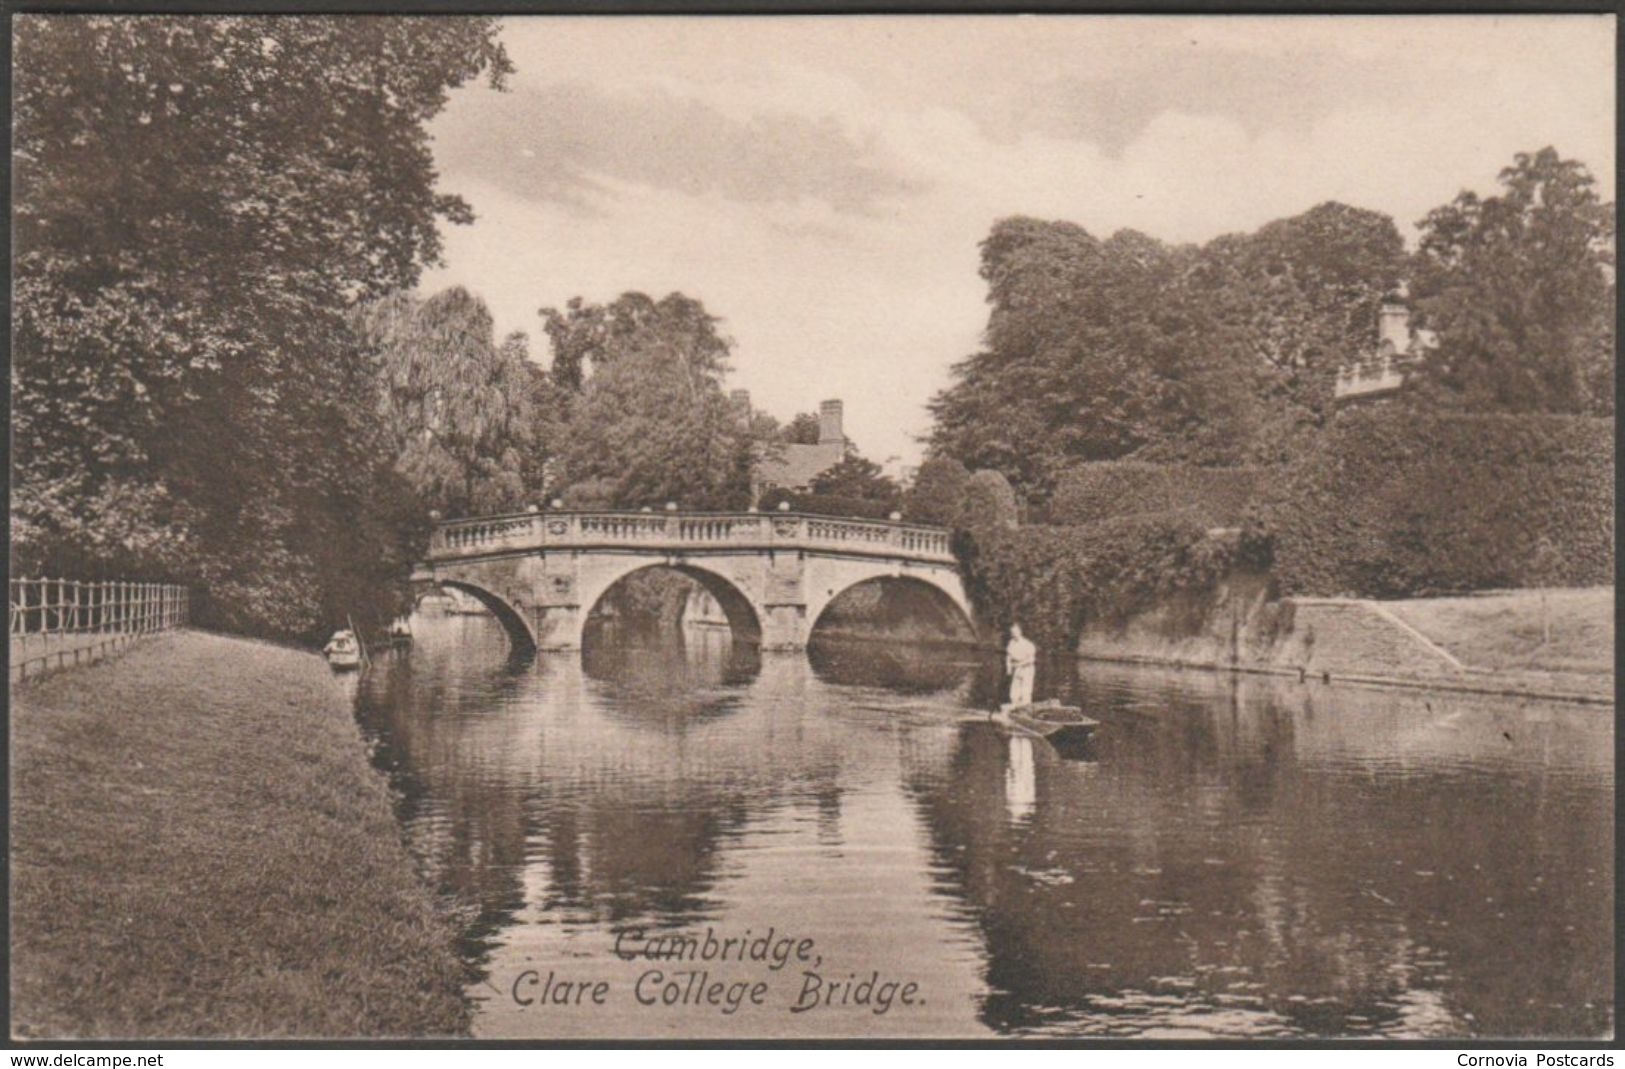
[(529, 531)]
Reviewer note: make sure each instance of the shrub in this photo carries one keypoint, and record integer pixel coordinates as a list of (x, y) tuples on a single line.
[(1393, 502), (1090, 493)]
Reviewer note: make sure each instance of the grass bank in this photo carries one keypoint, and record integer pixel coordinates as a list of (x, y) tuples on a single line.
[(1521, 630), (1536, 643), (199, 848)]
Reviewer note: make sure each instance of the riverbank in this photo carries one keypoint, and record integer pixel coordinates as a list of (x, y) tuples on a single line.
[(1554, 644), (200, 848)]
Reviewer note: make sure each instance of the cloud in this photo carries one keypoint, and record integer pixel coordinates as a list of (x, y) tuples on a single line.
[(823, 184), (569, 142), (1259, 93)]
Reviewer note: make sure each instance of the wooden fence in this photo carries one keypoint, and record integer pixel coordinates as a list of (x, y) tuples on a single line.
[(58, 622)]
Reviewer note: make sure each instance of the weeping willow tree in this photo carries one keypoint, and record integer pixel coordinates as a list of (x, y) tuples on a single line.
[(467, 418)]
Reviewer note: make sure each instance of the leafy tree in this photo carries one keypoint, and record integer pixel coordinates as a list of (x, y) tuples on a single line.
[(465, 418), (586, 337), (1520, 290), (938, 492), (651, 418), (803, 429), (1094, 350), (1105, 350), (198, 203), (1302, 295), (857, 477)]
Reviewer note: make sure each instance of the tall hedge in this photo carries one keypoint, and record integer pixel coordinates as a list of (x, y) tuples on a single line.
[(1055, 579), (989, 503), (1089, 493), (938, 492), (1396, 502)]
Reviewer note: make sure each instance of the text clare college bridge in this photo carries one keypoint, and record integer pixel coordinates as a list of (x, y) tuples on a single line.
[(774, 574)]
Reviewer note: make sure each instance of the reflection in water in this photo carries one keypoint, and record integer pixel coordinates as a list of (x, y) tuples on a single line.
[(909, 668), (1020, 778), (1238, 857), (681, 675)]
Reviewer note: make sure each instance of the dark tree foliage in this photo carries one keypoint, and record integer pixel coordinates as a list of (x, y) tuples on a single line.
[(1303, 295), (1090, 493), (1102, 350), (649, 421), (803, 429), (858, 508), (199, 201), (1520, 290), (857, 477), (938, 492), (1093, 352), (586, 337)]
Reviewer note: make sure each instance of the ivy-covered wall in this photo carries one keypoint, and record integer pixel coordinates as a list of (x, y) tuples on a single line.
[(1053, 579)]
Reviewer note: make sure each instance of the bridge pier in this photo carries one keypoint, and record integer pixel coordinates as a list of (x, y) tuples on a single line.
[(558, 627), (785, 627)]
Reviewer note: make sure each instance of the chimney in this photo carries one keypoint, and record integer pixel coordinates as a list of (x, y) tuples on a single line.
[(829, 423), (1394, 326), (740, 399)]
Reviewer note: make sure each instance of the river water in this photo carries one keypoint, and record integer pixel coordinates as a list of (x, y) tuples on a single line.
[(1234, 857)]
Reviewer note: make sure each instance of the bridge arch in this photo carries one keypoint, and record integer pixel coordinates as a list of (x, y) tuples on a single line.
[(520, 634), (946, 600), (774, 575), (744, 619)]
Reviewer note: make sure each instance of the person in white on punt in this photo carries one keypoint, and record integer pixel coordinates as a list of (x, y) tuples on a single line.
[(1021, 661)]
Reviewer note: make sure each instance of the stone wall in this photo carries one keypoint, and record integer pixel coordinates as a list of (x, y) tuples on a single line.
[(1239, 625)]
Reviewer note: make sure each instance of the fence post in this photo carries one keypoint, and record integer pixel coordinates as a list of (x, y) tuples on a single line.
[(48, 618)]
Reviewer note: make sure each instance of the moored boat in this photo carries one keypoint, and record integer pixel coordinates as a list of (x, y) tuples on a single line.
[(1059, 724), (343, 650)]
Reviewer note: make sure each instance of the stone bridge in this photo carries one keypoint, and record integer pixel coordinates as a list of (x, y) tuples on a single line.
[(774, 574)]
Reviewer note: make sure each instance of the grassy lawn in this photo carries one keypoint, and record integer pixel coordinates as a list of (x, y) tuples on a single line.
[(1503, 631), (200, 848)]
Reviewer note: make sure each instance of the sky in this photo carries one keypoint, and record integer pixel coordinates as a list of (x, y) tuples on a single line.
[(822, 183)]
